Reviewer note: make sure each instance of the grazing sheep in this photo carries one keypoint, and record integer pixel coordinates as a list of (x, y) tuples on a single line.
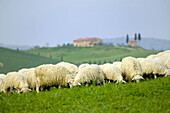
[(117, 64), (112, 72), (167, 63), (1, 65), (83, 65), (140, 59), (88, 74), (30, 76), (52, 75), (153, 67), (71, 67), (2, 81), (155, 57), (131, 69), (17, 81)]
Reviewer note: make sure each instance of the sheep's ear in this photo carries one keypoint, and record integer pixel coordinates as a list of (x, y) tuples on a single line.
[(21, 91), (78, 84)]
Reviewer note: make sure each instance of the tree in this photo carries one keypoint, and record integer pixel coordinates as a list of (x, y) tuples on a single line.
[(127, 38), (139, 37), (135, 37)]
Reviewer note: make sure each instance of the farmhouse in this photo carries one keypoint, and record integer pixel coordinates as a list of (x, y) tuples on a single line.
[(132, 43), (86, 42)]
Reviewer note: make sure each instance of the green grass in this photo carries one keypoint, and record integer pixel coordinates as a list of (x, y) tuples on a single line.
[(85, 54), (14, 60), (147, 96)]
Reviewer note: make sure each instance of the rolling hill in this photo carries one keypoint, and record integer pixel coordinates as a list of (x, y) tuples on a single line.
[(14, 60), (98, 54)]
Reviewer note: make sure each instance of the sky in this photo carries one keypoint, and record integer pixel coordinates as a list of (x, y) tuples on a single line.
[(37, 22)]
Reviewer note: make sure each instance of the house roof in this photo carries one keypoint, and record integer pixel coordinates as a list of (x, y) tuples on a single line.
[(87, 39)]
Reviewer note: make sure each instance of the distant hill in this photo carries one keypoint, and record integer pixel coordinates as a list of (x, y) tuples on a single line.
[(96, 54), (13, 60), (146, 43), (15, 47)]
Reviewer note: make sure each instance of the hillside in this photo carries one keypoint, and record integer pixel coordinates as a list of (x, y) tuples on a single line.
[(144, 97), (146, 43), (96, 54), (14, 60)]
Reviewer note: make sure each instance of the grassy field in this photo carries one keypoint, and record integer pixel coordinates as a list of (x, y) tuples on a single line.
[(14, 60), (147, 96), (96, 54)]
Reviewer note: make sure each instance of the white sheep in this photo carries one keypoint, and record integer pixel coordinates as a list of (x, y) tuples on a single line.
[(17, 81), (167, 63), (156, 57), (117, 64), (131, 69), (1, 65), (153, 67), (71, 67), (30, 76), (52, 75), (112, 72), (140, 59), (83, 65), (88, 74), (2, 81)]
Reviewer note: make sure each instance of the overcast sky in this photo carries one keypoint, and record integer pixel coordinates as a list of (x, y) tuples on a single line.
[(36, 22)]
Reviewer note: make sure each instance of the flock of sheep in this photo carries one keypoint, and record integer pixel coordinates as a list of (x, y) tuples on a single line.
[(65, 74)]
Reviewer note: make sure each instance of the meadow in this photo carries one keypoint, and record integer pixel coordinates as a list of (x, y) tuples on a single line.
[(14, 60), (78, 55), (146, 96)]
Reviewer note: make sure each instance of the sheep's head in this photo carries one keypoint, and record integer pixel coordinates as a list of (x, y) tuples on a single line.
[(72, 83), (120, 81), (167, 73), (137, 78)]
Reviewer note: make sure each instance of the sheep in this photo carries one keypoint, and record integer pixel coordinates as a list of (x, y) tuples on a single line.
[(71, 67), (112, 72), (155, 57), (17, 81), (1, 65), (88, 74), (117, 64), (140, 59), (151, 66), (83, 65), (30, 76), (131, 69), (2, 81), (167, 63), (52, 75)]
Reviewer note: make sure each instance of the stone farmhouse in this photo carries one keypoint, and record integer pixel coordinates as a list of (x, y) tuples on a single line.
[(87, 42)]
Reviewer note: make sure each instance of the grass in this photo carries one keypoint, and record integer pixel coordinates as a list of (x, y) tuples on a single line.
[(147, 96), (14, 60), (94, 54)]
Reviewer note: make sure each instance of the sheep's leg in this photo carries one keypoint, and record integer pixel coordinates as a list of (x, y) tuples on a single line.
[(59, 87), (109, 81), (11, 90), (18, 91), (155, 76), (37, 85), (104, 82)]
